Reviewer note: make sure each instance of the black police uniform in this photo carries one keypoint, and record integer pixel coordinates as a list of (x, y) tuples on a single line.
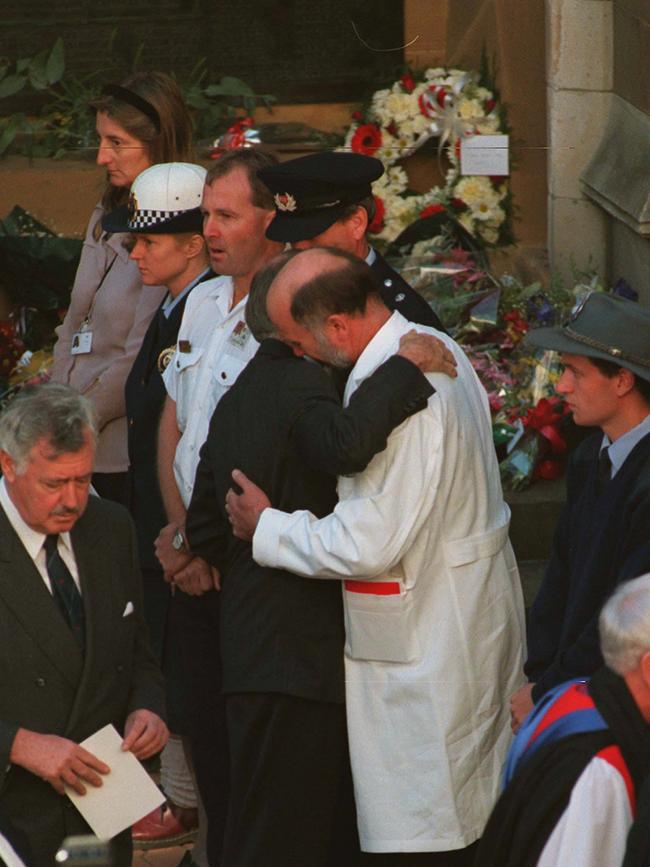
[(311, 193)]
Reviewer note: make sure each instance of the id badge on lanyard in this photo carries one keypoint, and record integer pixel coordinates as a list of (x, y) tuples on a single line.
[(82, 340)]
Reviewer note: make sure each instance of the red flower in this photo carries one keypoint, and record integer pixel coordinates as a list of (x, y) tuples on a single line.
[(377, 223), (392, 128), (489, 105), (496, 403), (366, 139), (518, 322), (545, 417), (357, 115), (430, 210), (458, 204), (408, 82), (549, 469)]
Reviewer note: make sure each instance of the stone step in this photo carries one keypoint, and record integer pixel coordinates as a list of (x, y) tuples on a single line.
[(531, 573), (535, 513)]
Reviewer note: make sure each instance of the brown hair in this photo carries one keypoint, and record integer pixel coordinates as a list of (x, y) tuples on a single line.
[(251, 161), (174, 141), (611, 368)]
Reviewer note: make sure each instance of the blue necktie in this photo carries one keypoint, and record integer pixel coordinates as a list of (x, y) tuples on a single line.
[(64, 590)]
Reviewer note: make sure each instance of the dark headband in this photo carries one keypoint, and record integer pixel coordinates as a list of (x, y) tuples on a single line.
[(133, 99)]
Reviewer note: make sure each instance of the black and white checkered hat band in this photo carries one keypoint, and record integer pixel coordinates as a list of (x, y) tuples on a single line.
[(142, 219)]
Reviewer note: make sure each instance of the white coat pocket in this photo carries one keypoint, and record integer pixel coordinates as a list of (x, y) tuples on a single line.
[(380, 621)]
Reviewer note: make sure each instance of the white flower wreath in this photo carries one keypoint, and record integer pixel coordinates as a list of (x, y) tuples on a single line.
[(442, 104)]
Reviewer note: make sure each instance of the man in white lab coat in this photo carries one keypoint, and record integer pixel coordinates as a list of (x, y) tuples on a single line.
[(433, 606)]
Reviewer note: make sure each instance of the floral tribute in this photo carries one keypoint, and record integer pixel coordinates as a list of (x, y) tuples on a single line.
[(489, 317), (444, 105)]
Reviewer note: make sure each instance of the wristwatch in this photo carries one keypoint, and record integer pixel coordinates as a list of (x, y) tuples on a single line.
[(179, 542)]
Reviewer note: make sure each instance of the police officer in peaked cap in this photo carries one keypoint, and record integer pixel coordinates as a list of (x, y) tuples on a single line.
[(325, 200)]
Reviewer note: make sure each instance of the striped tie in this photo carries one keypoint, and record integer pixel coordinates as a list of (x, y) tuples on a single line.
[(64, 590)]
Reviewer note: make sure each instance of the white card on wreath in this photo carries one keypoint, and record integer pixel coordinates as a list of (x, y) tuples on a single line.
[(484, 155), (127, 794)]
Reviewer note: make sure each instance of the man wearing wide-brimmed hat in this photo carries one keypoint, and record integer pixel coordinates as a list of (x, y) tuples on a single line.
[(602, 537)]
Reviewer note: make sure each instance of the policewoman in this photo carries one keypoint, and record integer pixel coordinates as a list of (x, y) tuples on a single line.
[(164, 220)]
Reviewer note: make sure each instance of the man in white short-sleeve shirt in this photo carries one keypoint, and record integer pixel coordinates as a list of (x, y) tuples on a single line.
[(213, 347)]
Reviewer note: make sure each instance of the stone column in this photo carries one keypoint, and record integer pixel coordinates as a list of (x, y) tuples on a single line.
[(579, 39)]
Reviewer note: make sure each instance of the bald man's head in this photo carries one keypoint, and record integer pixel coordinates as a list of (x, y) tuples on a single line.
[(319, 282), (315, 285)]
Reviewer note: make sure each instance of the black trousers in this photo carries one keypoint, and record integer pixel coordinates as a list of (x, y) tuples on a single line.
[(288, 758), (455, 858), (196, 627)]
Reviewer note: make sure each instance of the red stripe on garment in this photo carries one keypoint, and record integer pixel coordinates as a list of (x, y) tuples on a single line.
[(575, 698), (613, 756), (376, 588)]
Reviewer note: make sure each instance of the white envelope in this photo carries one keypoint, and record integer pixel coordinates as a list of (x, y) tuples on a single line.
[(128, 793)]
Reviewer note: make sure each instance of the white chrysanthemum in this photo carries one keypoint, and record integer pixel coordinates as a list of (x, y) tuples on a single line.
[(399, 106), (436, 72), (486, 211), (475, 189), (470, 109)]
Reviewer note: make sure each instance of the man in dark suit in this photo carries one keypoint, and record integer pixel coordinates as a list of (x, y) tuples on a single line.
[(281, 635), (325, 200), (73, 645)]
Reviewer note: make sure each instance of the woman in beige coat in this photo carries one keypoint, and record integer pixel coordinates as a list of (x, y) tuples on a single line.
[(141, 122)]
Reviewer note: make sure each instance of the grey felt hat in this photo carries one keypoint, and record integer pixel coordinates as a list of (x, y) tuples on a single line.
[(603, 326)]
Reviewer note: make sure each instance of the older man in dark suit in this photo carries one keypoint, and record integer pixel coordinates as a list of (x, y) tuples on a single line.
[(73, 648)]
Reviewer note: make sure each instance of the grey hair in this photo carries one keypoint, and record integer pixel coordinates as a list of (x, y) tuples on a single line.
[(48, 411), (625, 625), (255, 313)]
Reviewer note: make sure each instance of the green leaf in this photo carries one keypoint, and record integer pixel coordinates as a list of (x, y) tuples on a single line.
[(9, 133), (21, 65), (11, 84), (195, 99), (229, 86), (37, 76), (55, 66)]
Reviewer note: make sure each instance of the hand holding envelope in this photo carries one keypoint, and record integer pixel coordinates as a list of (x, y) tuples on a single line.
[(127, 793)]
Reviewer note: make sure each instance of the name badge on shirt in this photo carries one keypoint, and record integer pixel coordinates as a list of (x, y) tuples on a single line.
[(239, 335), (82, 343)]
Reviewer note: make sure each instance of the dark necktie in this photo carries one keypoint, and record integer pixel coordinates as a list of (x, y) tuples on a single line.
[(604, 468), (64, 590)]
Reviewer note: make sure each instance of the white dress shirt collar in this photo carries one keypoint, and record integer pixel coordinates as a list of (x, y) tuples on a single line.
[(383, 344), (620, 449)]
